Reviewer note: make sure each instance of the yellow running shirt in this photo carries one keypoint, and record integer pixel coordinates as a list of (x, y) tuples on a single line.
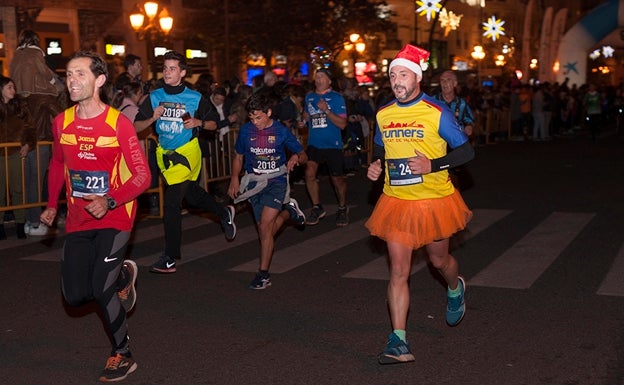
[(423, 124)]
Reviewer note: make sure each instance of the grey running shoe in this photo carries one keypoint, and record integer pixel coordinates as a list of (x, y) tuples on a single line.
[(127, 295), (117, 368), (316, 214), (342, 216)]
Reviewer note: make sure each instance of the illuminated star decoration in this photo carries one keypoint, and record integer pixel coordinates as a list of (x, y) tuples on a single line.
[(607, 51), (429, 7), (569, 67), (449, 21), (493, 28), (595, 54)]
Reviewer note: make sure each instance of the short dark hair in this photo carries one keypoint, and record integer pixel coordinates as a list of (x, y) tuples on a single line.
[(98, 65), (28, 37), (219, 91), (175, 55), (130, 59), (259, 102)]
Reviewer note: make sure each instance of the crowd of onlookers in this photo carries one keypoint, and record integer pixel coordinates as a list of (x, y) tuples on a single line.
[(538, 112), (544, 111)]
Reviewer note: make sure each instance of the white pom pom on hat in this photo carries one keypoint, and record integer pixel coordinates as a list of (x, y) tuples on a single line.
[(412, 57)]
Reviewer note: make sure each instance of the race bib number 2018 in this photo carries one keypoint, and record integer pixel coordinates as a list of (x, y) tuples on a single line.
[(399, 173), (88, 182), (173, 111)]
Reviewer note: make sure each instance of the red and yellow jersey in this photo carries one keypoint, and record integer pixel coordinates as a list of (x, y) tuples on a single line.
[(424, 125), (100, 155)]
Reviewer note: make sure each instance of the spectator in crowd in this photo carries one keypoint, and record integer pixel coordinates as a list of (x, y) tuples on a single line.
[(15, 126), (458, 105), (460, 176), (133, 72), (232, 95), (204, 84), (127, 101), (540, 130), (297, 78), (238, 107), (525, 97), (592, 107), (217, 99), (271, 88), (290, 112), (45, 95)]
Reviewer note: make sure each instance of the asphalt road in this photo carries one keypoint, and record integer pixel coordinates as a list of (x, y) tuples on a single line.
[(542, 259)]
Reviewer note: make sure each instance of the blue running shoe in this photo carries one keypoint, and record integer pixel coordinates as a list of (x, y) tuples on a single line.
[(397, 351), (455, 306), (260, 282)]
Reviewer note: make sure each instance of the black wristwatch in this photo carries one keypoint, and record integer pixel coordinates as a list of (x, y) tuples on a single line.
[(111, 203)]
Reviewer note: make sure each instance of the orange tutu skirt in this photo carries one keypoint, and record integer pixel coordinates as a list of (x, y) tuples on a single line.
[(419, 222)]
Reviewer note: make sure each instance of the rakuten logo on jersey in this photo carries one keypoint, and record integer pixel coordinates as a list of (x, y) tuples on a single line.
[(262, 150)]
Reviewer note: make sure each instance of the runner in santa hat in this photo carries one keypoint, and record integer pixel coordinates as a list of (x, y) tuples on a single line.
[(419, 205)]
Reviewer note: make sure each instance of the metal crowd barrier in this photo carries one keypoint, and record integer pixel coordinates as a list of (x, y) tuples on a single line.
[(5, 148), (493, 121), (215, 167)]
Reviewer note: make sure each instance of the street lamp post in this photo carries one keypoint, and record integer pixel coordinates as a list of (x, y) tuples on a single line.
[(151, 28), (478, 54), (355, 46)]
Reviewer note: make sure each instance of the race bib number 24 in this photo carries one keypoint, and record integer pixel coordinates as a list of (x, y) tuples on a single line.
[(399, 173)]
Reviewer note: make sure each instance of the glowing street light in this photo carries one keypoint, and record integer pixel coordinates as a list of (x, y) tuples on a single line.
[(478, 54), (151, 28), (355, 46)]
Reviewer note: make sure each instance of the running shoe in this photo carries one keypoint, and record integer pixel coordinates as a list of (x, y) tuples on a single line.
[(164, 265), (295, 212), (455, 306), (229, 227), (342, 216), (316, 214), (127, 295), (260, 281), (117, 368), (397, 351)]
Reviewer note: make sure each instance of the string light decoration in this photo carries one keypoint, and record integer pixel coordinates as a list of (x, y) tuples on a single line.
[(493, 28), (607, 51), (320, 57), (428, 7), (595, 54), (449, 21)]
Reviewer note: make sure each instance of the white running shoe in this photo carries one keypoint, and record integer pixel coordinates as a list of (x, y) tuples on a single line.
[(40, 231)]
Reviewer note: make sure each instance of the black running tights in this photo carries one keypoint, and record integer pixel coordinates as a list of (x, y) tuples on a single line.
[(90, 267)]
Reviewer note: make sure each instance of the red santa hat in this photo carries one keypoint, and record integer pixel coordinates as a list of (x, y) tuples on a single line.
[(412, 57)]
